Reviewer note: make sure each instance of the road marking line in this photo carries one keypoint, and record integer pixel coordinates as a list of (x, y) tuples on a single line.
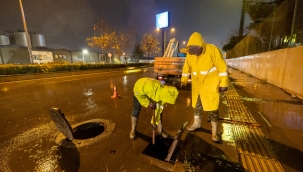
[(58, 81), (265, 120)]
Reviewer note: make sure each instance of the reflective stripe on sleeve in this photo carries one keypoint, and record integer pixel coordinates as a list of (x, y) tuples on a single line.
[(212, 69), (194, 73), (203, 72), (222, 74), (208, 71), (185, 74)]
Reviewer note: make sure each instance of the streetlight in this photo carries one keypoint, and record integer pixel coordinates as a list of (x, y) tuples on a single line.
[(83, 52), (172, 30), (29, 45)]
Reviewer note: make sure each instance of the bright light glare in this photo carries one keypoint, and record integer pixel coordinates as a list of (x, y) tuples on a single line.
[(133, 71), (84, 51)]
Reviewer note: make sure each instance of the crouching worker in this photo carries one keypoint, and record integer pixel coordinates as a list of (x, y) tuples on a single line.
[(149, 92)]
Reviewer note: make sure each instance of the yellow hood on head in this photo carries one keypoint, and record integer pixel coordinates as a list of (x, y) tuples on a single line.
[(197, 39), (169, 94)]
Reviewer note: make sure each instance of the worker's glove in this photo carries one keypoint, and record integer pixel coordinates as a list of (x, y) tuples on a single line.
[(152, 105), (222, 89), (183, 84)]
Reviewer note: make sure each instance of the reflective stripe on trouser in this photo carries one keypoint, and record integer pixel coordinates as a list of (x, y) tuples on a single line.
[(214, 115)]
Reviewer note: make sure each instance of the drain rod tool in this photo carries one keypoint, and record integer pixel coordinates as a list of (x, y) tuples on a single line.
[(175, 142), (154, 127), (237, 121)]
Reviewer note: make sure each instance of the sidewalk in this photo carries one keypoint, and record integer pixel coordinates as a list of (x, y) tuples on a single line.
[(252, 139)]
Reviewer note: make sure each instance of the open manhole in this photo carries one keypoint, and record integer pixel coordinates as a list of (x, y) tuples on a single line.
[(88, 130), (164, 152), (81, 134)]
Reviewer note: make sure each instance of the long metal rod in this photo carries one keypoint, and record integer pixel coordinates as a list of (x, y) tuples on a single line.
[(175, 142), (154, 128), (29, 45)]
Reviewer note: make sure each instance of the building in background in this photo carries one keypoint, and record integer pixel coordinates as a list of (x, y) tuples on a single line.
[(13, 50)]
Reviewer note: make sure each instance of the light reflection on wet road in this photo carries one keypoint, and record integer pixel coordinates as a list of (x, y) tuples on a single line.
[(278, 107)]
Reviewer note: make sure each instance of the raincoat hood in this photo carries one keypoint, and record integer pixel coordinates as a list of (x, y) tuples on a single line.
[(168, 94), (197, 39)]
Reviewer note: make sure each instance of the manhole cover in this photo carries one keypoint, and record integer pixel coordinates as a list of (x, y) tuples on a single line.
[(61, 122)]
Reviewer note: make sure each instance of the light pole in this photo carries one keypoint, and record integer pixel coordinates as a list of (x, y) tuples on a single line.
[(29, 45), (163, 41)]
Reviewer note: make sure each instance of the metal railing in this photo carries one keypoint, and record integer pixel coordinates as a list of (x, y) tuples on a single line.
[(283, 28)]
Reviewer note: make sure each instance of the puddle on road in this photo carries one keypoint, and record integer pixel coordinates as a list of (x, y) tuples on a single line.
[(89, 103), (281, 113)]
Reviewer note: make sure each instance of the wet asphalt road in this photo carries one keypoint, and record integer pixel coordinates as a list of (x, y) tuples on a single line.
[(28, 139)]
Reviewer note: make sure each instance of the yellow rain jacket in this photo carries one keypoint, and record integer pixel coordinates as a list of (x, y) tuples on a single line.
[(149, 89), (208, 72)]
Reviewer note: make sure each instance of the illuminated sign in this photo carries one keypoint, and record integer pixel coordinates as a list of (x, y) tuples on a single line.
[(162, 20)]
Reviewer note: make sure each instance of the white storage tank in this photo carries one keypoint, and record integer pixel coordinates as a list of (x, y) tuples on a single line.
[(4, 40), (37, 40), (20, 38)]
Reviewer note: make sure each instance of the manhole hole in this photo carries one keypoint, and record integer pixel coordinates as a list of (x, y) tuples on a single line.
[(88, 130), (160, 149), (81, 134)]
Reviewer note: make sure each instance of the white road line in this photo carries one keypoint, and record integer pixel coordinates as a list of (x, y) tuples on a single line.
[(58, 81), (265, 119), (37, 79)]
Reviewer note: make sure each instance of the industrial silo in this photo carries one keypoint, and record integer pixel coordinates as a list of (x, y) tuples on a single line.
[(37, 40), (20, 38), (4, 40)]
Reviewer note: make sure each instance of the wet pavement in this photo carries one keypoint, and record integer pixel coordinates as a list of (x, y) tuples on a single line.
[(279, 113), (31, 142)]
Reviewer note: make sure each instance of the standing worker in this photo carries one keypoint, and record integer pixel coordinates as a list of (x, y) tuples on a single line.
[(149, 92), (208, 70)]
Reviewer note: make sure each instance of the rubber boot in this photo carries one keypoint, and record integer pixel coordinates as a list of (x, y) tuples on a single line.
[(196, 124), (214, 131), (161, 131), (134, 121)]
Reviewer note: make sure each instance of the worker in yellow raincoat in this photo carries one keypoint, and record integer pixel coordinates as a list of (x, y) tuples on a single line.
[(149, 92), (207, 68)]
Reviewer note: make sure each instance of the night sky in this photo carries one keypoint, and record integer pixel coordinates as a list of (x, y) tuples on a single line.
[(67, 23)]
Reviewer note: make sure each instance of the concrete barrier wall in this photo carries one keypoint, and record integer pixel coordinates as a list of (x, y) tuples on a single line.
[(282, 68)]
